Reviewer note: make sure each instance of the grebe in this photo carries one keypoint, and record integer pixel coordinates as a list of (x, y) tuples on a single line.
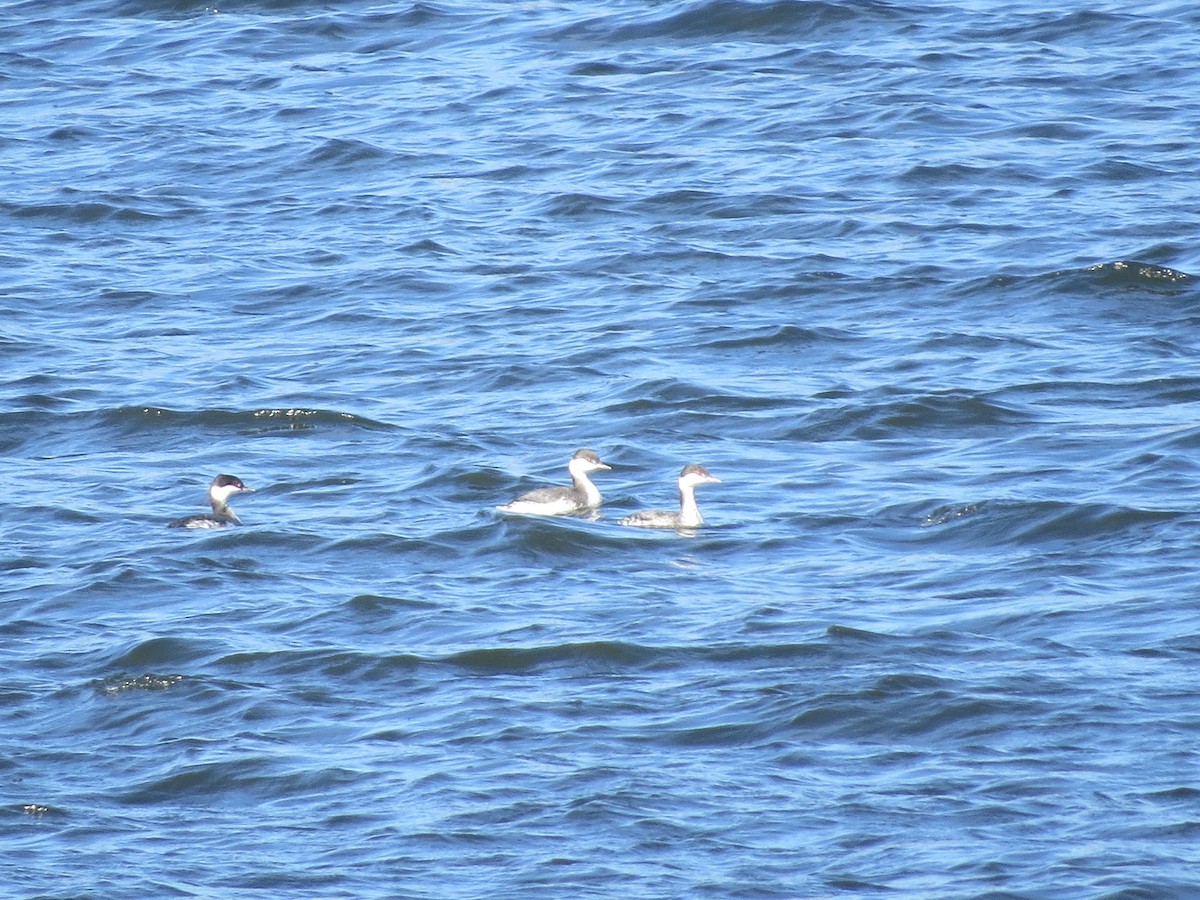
[(689, 513), (222, 488), (562, 501)]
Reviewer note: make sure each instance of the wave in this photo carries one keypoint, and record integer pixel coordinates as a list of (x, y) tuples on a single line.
[(138, 417), (1084, 28), (89, 208), (961, 411), (777, 336), (1124, 275), (158, 652), (1101, 394), (1036, 523), (578, 205), (337, 152), (1131, 273), (142, 665), (591, 655), (781, 21), (256, 421), (321, 663), (115, 685), (668, 393), (46, 424), (268, 776), (158, 9)]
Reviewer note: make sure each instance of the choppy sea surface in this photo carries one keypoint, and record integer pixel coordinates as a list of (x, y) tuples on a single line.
[(916, 280)]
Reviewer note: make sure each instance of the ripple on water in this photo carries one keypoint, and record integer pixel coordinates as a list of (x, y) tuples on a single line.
[(912, 281)]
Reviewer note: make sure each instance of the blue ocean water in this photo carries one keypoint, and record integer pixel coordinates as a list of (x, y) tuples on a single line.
[(917, 281)]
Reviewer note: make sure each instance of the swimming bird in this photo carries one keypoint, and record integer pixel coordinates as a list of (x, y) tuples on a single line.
[(222, 488), (562, 501), (689, 513)]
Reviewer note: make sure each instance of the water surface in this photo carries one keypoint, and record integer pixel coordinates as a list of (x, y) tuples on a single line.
[(916, 281)]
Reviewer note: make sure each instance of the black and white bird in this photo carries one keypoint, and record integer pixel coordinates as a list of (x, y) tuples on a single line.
[(222, 488)]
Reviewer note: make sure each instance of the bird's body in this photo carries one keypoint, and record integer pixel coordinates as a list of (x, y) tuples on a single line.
[(222, 488), (689, 513), (561, 501)]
